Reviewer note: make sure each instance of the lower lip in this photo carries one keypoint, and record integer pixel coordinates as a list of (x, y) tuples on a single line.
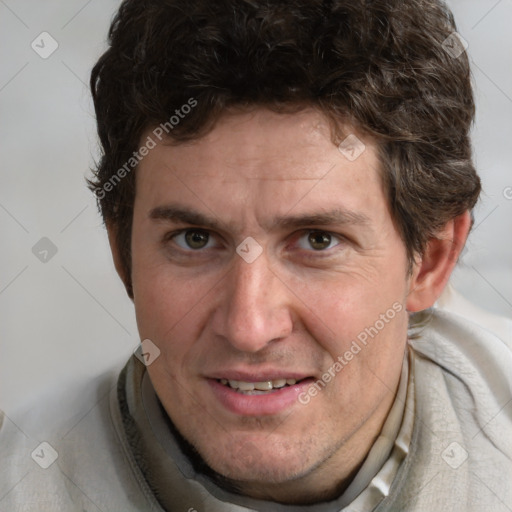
[(271, 403)]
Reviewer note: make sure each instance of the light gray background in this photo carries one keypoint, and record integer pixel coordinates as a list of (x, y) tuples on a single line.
[(66, 320)]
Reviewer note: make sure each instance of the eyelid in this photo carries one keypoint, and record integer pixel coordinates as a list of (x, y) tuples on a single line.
[(173, 234), (340, 238), (213, 235)]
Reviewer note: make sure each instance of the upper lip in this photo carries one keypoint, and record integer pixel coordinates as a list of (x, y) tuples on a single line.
[(258, 376)]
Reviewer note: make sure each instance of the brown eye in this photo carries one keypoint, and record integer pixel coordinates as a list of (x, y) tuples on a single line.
[(196, 239), (319, 240)]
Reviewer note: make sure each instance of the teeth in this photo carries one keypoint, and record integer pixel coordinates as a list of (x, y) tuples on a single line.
[(242, 386), (258, 386), (263, 386)]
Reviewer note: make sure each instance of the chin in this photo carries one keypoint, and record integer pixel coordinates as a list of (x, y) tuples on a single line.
[(265, 469)]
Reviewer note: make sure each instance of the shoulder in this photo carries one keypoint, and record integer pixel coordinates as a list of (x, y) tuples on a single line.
[(473, 350), (67, 455), (462, 443), (465, 358)]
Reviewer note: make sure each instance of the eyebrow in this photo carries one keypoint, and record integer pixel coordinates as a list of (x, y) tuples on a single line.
[(337, 216)]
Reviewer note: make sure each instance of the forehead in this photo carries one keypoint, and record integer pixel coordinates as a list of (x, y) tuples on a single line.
[(263, 159), (257, 144)]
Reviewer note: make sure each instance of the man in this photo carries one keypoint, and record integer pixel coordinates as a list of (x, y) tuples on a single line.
[(287, 187)]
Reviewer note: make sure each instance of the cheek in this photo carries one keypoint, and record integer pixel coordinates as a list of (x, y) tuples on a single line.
[(171, 311), (339, 309), (361, 324), (161, 303)]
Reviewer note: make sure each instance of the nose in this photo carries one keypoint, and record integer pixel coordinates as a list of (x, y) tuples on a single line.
[(254, 308)]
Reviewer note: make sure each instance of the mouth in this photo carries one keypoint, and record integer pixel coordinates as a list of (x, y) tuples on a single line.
[(258, 397), (259, 388)]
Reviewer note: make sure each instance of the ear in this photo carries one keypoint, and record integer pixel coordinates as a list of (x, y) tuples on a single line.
[(432, 271), (118, 262)]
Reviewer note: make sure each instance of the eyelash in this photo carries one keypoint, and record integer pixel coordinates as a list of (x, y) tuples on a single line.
[(320, 253)]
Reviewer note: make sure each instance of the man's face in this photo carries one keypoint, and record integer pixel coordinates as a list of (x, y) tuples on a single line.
[(331, 264)]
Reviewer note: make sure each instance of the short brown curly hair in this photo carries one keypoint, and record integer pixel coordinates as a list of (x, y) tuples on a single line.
[(381, 65)]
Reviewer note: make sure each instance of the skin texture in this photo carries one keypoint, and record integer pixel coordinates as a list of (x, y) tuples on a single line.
[(293, 309)]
